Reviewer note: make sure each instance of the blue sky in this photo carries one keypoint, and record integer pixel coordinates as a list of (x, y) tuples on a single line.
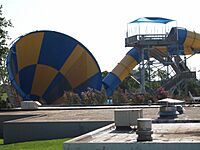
[(100, 25)]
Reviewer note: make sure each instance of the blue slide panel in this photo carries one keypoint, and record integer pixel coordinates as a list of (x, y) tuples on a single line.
[(111, 81)]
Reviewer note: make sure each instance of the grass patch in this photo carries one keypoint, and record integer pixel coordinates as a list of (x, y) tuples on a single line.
[(56, 144), (1, 141)]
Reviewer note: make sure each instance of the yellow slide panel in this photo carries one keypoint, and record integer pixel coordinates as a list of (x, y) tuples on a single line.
[(74, 66), (43, 77), (196, 43), (123, 69), (189, 42), (28, 49)]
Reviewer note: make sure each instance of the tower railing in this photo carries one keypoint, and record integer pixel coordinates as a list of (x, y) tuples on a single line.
[(148, 39)]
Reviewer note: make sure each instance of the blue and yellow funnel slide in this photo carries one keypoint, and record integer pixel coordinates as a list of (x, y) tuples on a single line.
[(188, 43), (44, 64)]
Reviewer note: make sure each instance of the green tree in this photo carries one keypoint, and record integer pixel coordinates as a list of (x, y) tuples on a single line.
[(162, 74), (104, 74), (4, 24), (194, 87), (129, 84)]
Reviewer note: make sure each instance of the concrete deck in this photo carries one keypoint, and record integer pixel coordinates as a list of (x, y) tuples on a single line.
[(104, 113), (168, 132), (63, 122), (165, 136)]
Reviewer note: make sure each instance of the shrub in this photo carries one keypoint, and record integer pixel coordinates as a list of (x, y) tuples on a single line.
[(89, 97), (71, 97), (3, 104), (119, 96)]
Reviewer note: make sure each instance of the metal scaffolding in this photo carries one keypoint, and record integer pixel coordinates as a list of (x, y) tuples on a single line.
[(153, 59)]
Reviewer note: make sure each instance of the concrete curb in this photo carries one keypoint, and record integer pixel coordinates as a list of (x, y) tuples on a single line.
[(174, 121)]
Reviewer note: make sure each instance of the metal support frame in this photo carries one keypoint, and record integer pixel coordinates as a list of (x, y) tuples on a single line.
[(167, 62), (142, 77)]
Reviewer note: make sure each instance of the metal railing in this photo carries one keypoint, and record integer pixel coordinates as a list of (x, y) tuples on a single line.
[(148, 39)]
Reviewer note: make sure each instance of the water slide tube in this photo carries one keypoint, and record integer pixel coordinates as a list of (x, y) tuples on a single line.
[(188, 43)]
